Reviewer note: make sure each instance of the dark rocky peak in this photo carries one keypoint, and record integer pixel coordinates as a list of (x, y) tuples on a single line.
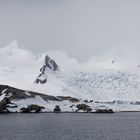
[(50, 64)]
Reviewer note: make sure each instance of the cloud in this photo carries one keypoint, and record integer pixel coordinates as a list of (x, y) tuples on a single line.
[(12, 54), (81, 28)]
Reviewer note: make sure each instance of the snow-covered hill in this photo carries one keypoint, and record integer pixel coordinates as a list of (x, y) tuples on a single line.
[(113, 82)]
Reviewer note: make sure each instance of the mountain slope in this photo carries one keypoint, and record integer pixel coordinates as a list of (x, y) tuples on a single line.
[(110, 83), (13, 100), (51, 65)]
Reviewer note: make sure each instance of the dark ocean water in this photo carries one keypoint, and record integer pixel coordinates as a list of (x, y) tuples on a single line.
[(66, 126)]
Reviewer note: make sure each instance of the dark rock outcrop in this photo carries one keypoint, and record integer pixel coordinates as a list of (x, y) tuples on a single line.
[(32, 108), (49, 64), (57, 109), (11, 95), (3, 105), (83, 107), (18, 94), (88, 101), (104, 111), (71, 99)]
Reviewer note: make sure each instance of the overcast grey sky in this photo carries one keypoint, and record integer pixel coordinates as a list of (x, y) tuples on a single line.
[(83, 28)]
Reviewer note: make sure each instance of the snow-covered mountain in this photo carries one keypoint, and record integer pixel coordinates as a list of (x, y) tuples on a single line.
[(111, 82), (50, 65)]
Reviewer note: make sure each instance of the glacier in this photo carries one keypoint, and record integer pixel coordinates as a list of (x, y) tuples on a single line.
[(109, 83)]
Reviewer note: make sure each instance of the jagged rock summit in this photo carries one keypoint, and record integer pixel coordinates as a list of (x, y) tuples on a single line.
[(50, 64)]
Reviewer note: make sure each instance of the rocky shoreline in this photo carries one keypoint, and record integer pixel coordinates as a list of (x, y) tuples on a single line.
[(13, 100)]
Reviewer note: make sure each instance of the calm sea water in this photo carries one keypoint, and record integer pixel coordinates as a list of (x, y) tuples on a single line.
[(51, 126)]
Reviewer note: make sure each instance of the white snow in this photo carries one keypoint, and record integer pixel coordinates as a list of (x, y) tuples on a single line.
[(97, 79)]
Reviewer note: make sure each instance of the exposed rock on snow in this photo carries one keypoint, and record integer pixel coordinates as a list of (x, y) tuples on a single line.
[(57, 109), (50, 64), (104, 111), (83, 107), (71, 99), (3, 105), (17, 100), (32, 108), (98, 83)]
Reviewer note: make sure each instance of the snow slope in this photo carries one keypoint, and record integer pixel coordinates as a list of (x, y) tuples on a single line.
[(105, 81)]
